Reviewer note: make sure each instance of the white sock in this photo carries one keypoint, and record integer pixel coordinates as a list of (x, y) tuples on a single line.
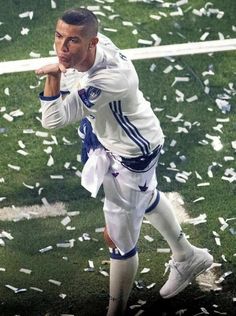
[(122, 275), (165, 221)]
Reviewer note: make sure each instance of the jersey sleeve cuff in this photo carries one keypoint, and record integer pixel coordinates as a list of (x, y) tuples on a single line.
[(44, 98)]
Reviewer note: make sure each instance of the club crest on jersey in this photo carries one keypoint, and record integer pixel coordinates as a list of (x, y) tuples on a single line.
[(89, 95)]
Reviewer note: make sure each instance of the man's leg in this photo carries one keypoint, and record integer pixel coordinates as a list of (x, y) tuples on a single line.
[(122, 274), (188, 261), (163, 218)]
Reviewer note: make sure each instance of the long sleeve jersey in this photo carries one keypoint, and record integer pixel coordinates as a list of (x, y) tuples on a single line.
[(108, 95)]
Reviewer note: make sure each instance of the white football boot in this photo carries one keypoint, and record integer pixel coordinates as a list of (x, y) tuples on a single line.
[(182, 273)]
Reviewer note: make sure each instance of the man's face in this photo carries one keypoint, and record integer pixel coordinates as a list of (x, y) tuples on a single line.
[(72, 46)]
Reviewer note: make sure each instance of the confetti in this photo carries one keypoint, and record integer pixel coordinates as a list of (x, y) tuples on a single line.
[(26, 271), (163, 250), (197, 220), (34, 55), (17, 168), (148, 238), (27, 14), (53, 4), (55, 282), (46, 249)]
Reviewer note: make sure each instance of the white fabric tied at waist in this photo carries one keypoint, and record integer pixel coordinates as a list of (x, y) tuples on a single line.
[(95, 170)]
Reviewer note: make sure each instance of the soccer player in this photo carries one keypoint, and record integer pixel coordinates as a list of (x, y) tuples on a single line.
[(123, 137)]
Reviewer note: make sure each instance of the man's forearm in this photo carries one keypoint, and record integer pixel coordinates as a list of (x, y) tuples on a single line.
[(52, 85)]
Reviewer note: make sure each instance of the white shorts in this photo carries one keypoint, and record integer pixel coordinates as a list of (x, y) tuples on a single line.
[(127, 196)]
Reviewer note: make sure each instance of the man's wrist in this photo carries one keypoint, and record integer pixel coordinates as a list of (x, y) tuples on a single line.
[(52, 85)]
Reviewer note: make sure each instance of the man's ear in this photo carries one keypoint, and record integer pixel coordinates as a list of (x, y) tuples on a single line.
[(93, 42)]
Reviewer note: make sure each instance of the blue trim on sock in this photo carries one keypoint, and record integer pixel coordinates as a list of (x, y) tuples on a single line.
[(154, 204), (115, 254), (43, 98)]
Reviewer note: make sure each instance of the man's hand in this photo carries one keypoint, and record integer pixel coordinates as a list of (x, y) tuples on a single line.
[(53, 69), (52, 84)]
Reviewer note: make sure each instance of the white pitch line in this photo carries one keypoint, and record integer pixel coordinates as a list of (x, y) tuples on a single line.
[(133, 53)]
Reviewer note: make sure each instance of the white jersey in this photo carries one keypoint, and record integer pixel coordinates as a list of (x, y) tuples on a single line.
[(108, 95)]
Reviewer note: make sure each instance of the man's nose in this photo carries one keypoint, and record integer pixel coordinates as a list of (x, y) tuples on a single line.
[(64, 46)]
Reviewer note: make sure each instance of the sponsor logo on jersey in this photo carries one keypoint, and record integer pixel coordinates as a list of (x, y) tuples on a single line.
[(89, 95)]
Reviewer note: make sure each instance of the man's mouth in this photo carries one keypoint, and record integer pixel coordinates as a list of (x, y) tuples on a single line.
[(64, 59)]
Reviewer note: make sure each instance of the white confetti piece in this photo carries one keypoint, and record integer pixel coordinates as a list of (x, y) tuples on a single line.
[(192, 99), (24, 31), (168, 69), (17, 168), (127, 23), (229, 175), (45, 202), (53, 4), (65, 221), (64, 245), (34, 55), (50, 161), (105, 273), (233, 144), (73, 213), (31, 187), (145, 270), (48, 150), (46, 249), (78, 173), (7, 91), (144, 42), (26, 271), (55, 282), (41, 134), (57, 177), (2, 198), (28, 131), (180, 79), (21, 144), (91, 264), (163, 250), (148, 238), (157, 17), (6, 37), (110, 30), (152, 67), (99, 230), (8, 117), (2, 242), (217, 240), (199, 199), (168, 179), (36, 289), (204, 36), (27, 14), (197, 220), (157, 39), (22, 152), (7, 235), (203, 184), (11, 287), (150, 286), (216, 142), (223, 105)]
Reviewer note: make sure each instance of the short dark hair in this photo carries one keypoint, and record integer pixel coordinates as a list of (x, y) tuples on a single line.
[(83, 17)]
